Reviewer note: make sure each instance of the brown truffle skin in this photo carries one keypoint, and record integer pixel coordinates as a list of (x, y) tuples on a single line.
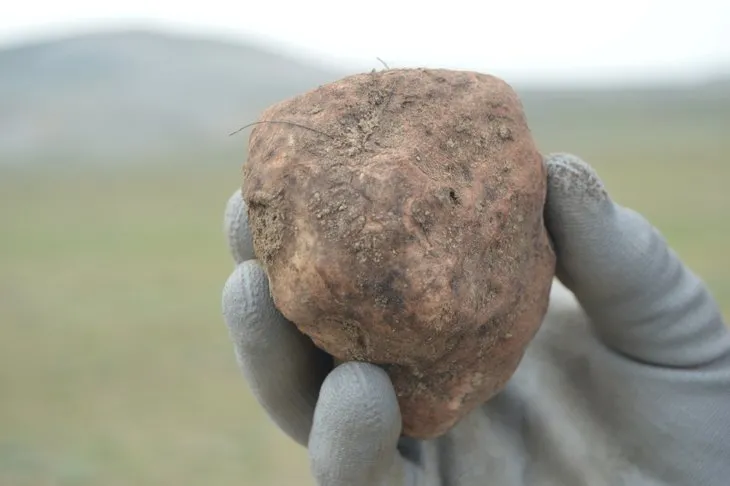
[(399, 218)]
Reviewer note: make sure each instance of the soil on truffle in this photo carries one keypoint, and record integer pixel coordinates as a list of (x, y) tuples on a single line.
[(398, 216)]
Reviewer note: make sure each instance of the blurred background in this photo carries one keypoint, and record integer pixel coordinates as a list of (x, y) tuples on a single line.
[(116, 163)]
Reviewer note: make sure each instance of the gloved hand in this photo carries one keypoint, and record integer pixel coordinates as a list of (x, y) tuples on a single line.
[(627, 385)]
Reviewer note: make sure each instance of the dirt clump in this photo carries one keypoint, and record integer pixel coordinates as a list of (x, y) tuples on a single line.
[(399, 217)]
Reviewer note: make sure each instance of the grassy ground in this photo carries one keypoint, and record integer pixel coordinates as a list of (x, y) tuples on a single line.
[(115, 368)]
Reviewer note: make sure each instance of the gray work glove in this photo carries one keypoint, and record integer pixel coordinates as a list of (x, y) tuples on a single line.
[(629, 387)]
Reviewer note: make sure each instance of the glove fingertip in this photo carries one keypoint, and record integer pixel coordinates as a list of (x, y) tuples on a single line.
[(237, 230), (570, 178), (283, 368), (584, 226), (356, 427)]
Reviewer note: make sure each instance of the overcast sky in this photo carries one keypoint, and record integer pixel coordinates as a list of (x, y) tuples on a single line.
[(527, 39)]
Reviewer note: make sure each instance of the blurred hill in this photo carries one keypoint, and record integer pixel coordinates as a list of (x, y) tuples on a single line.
[(134, 94)]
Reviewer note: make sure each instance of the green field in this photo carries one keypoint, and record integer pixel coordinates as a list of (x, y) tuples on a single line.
[(115, 365)]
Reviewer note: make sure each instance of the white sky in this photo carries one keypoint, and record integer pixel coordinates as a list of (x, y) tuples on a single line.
[(559, 40)]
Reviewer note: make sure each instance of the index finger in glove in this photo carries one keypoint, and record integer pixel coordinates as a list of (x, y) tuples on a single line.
[(643, 301), (282, 366), (356, 430), (238, 232)]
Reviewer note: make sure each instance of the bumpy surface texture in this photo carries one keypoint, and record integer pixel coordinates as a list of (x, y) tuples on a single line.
[(399, 218)]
